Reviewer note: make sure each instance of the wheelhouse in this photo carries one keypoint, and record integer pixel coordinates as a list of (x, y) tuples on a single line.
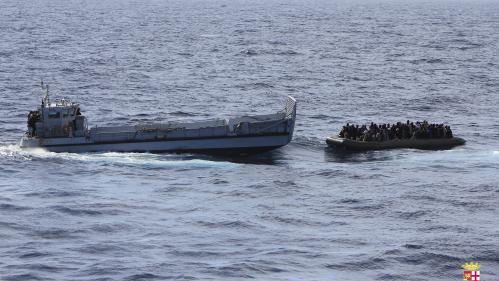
[(61, 118)]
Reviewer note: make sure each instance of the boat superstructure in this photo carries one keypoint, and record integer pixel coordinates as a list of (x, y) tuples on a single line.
[(59, 126)]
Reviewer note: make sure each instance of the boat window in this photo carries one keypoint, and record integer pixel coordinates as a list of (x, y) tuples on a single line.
[(54, 115), (66, 113)]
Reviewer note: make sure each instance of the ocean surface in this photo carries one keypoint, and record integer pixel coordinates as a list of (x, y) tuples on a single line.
[(302, 212)]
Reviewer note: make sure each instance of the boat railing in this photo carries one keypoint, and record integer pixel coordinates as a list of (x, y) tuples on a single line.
[(289, 113), (290, 108)]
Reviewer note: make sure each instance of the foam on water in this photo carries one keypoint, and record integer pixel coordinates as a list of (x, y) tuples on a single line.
[(456, 155), (146, 160)]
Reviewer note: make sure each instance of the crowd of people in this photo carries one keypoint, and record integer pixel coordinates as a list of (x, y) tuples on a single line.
[(384, 132)]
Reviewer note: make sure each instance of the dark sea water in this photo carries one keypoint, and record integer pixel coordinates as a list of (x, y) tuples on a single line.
[(300, 213)]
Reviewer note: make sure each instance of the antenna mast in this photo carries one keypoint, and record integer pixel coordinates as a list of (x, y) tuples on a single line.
[(45, 92)]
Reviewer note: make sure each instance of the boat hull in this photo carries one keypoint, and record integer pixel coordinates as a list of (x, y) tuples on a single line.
[(429, 144), (221, 145)]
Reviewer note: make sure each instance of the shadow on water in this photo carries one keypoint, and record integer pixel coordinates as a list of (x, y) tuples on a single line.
[(262, 158), (345, 156)]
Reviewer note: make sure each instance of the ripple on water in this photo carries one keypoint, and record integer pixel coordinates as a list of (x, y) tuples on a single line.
[(413, 215), (54, 193), (226, 224), (147, 276), (244, 270), (34, 255), (24, 277), (12, 207), (111, 227), (107, 248), (429, 258), (369, 263), (56, 233), (77, 211)]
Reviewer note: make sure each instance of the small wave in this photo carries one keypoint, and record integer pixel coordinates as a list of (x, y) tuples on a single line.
[(53, 193), (350, 201), (369, 207), (32, 255), (491, 255), (285, 183), (258, 85), (249, 52), (110, 228), (413, 246), (210, 35), (219, 181), (429, 259), (244, 270), (184, 54), (277, 42), (285, 251), (42, 267), (242, 31), (320, 117), (227, 224), (422, 108), (470, 46), (68, 70), (182, 114), (11, 207), (77, 212), (285, 53), (330, 173), (59, 40), (141, 115), (138, 76), (422, 198), (430, 61), (5, 54), (11, 225), (102, 270), (298, 221), (101, 248), (412, 215), (371, 263), (262, 85), (55, 234), (197, 254), (143, 276), (391, 276), (23, 277)]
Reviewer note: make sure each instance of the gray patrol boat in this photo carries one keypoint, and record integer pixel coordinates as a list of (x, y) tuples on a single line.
[(59, 126)]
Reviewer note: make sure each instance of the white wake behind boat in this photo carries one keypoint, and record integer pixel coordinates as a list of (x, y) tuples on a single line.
[(59, 127)]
